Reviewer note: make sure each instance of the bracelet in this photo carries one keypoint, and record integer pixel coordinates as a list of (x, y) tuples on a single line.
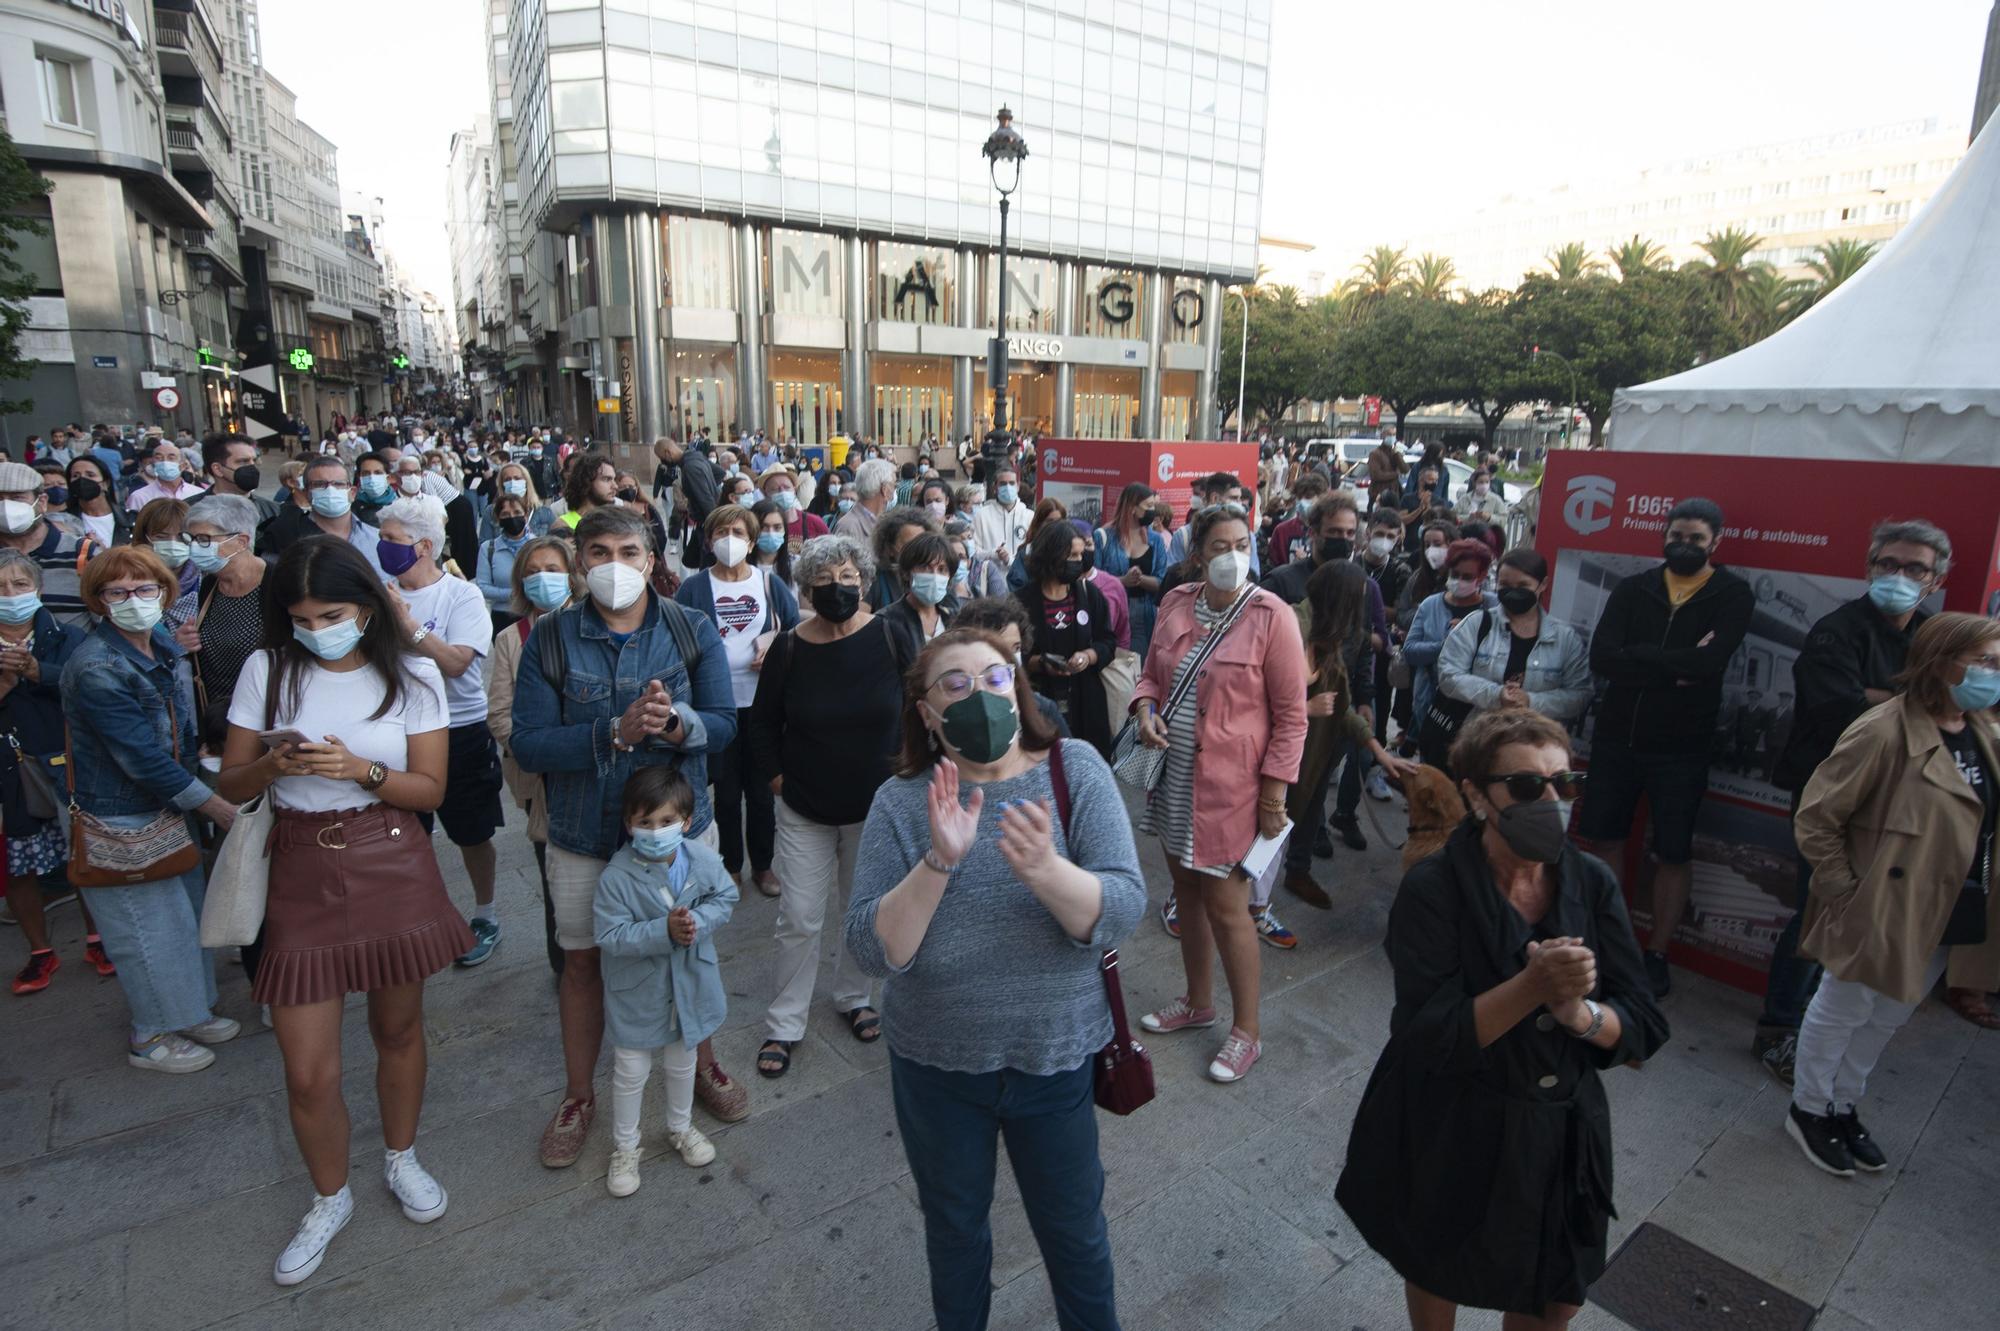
[(1596, 1021), (1274, 806), (936, 865)]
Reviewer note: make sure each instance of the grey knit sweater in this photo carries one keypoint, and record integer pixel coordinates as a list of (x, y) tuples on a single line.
[(997, 983)]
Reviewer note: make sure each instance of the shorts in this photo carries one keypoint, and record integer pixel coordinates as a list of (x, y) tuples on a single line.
[(573, 892), (1673, 784), (471, 811)]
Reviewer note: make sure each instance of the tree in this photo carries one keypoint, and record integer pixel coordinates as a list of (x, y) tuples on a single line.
[(20, 187), (1496, 373), (1727, 268), (1767, 301), (1288, 354), (1637, 256), (1572, 262), (1401, 350), (1431, 277), (1380, 271), (1835, 261)]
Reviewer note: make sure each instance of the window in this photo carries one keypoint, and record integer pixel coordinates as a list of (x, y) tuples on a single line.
[(60, 103)]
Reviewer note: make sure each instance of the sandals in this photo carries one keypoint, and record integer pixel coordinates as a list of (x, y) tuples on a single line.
[(1972, 1005), (774, 1059), (866, 1029)]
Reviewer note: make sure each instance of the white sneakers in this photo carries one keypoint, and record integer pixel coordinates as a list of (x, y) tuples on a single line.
[(1377, 785), (422, 1198), (623, 1180), (172, 1052), (216, 1030), (301, 1257), (696, 1150)]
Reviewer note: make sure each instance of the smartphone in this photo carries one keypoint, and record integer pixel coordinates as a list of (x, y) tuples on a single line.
[(1056, 665), (276, 738)]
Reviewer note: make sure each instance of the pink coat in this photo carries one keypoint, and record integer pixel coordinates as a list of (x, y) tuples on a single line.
[(1250, 718)]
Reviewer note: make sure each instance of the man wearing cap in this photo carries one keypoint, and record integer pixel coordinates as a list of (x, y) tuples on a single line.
[(57, 547), (780, 485)]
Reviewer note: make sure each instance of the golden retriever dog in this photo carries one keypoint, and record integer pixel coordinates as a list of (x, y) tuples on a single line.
[(1436, 808)]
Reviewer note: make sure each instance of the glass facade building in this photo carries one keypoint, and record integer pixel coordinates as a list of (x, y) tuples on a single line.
[(774, 213)]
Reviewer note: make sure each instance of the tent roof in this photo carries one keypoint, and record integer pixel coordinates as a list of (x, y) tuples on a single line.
[(1915, 332)]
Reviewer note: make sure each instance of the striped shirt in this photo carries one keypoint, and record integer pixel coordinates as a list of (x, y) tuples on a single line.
[(62, 554)]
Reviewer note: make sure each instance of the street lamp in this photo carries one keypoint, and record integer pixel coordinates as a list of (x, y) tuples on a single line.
[(1537, 352), (1004, 152), (1242, 360), (203, 276)]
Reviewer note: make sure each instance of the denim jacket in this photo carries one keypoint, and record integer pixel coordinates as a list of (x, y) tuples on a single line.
[(647, 974), (117, 703), (566, 736)]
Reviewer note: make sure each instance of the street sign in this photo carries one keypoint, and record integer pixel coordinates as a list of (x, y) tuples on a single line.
[(166, 399), (103, 362)]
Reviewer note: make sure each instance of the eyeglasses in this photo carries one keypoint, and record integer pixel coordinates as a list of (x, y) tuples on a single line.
[(326, 485), (1525, 786), (120, 595), (1915, 572), (958, 684), (195, 539)]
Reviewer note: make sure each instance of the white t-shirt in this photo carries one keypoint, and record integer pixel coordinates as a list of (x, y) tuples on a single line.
[(99, 529), (340, 703), (456, 611), (741, 612)]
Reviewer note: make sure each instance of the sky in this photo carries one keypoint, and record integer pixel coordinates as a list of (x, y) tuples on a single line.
[(1383, 117)]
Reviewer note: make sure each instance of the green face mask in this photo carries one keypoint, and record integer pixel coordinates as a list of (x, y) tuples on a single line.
[(980, 726)]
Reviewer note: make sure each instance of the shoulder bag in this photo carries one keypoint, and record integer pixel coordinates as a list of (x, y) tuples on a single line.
[(232, 912), (1139, 766), (1122, 1072), (1444, 717), (104, 856)]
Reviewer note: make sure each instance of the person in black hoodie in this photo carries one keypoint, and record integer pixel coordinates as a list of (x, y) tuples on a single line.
[(1664, 642)]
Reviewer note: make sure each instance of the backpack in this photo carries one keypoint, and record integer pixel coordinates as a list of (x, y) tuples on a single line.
[(555, 660)]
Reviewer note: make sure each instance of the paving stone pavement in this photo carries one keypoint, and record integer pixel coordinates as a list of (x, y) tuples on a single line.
[(133, 1200)]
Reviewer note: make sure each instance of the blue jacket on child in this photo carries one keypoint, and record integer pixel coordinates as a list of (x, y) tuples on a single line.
[(644, 969)]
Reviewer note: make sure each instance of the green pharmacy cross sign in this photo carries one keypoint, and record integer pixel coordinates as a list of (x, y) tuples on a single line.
[(400, 361), (301, 360)]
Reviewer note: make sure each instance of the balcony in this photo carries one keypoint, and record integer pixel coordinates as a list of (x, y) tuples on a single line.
[(197, 141), (187, 42), (222, 244)]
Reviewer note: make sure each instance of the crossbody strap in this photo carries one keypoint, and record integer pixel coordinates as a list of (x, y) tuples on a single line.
[(1205, 650), (1114, 993)]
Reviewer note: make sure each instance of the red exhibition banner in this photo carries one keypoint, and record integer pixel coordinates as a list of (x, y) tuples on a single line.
[(1798, 530), (1087, 474)]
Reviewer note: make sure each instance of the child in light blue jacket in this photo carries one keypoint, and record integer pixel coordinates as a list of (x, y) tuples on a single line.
[(659, 902)]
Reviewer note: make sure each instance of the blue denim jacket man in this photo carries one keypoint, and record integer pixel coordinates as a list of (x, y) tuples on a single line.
[(567, 737), (121, 737)]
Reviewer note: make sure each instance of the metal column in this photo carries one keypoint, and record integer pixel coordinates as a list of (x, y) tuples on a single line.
[(858, 411), (965, 266), (606, 231), (647, 363), (1065, 417), (1206, 425), (1149, 378), (751, 388)]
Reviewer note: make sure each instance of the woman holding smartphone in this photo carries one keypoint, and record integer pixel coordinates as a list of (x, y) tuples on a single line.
[(356, 902)]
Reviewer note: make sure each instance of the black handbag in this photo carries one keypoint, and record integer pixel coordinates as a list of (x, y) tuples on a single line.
[(38, 791), (1444, 717)]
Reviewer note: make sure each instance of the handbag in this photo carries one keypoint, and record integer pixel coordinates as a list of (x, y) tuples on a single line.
[(1133, 762), (104, 856), (38, 792), (232, 914), (1122, 1071), (1444, 717)]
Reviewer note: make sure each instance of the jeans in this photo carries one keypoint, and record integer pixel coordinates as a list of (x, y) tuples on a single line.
[(1299, 848), (815, 865), (1789, 985), (1847, 1027), (949, 1122), (727, 768), (152, 933), (630, 1069)]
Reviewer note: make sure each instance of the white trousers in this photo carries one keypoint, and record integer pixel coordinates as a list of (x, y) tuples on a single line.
[(815, 864), (630, 1070), (1846, 1028)]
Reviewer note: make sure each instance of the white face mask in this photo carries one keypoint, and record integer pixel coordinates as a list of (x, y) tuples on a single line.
[(16, 517), (732, 550), (616, 586), (1434, 556), (1380, 546), (1227, 572), (412, 483), (1465, 589)]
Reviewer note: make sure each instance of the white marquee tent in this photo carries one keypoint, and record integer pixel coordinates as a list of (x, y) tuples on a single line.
[(1900, 363)]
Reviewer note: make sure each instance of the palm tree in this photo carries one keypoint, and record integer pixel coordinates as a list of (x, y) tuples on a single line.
[(1767, 301), (1836, 261), (1637, 256), (1431, 277), (1571, 262), (1727, 266), (1379, 271)]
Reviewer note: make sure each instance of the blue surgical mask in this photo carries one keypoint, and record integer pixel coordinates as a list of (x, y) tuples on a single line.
[(786, 500), (172, 553), (844, 504), (208, 558), (1007, 494), (770, 542), (166, 473), (656, 843), (517, 488), (332, 502), (19, 609), (1895, 594), (930, 588), (374, 485), (1979, 690), (332, 642), (546, 591), (535, 452)]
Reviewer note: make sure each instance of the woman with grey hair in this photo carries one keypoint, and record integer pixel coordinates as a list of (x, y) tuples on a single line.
[(228, 622), (824, 756)]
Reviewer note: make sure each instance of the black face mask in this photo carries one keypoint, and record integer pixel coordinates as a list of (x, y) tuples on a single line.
[(835, 602), (83, 490), (245, 477), (628, 494), (513, 525), (1074, 569), (1685, 558), (1332, 549), (1518, 600)]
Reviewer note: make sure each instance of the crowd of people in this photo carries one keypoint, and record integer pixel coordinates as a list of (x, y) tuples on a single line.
[(894, 702)]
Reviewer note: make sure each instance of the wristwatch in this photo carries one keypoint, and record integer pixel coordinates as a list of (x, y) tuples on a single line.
[(419, 636), (377, 774), (1596, 1021)]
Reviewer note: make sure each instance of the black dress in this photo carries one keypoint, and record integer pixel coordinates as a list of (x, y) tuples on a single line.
[(1484, 1175)]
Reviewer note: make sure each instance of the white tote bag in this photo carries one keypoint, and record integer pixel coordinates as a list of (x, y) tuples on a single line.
[(232, 912)]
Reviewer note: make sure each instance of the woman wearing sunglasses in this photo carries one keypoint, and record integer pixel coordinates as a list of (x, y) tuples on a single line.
[(1898, 826), (1480, 1160), (987, 905)]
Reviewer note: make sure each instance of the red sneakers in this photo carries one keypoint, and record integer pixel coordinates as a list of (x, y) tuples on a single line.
[(35, 976)]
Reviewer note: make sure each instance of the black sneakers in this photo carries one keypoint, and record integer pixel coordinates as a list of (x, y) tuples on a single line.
[(1659, 976), (1350, 831), (1867, 1155), (1822, 1138)]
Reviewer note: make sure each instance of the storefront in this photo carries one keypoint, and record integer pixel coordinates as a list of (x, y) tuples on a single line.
[(1031, 398), (1177, 404), (701, 384), (1106, 404), (913, 399), (805, 401)]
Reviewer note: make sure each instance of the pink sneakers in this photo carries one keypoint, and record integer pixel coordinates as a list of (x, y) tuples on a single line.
[(1178, 1016), (1238, 1055)]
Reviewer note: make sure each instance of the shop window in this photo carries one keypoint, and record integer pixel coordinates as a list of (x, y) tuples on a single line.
[(914, 284), (1111, 302), (1031, 294), (701, 263), (702, 384), (804, 273), (1106, 404), (805, 396), (1187, 310), (912, 399)]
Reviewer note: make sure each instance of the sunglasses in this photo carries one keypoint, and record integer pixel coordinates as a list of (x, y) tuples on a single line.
[(1523, 787)]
